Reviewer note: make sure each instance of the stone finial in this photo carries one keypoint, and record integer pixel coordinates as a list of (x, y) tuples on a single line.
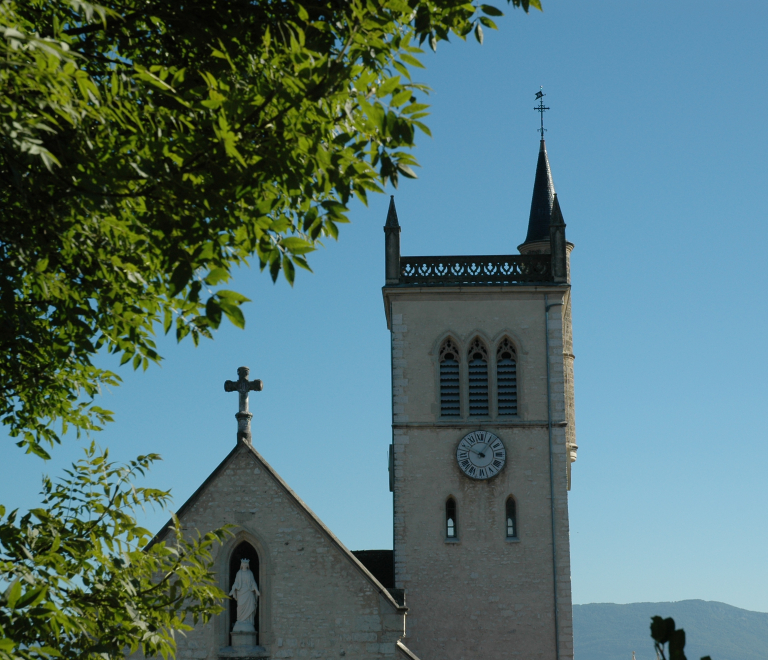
[(242, 386)]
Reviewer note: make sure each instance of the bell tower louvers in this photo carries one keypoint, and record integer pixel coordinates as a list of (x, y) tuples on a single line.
[(483, 441)]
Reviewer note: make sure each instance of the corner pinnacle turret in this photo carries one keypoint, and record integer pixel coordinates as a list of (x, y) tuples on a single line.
[(392, 244)]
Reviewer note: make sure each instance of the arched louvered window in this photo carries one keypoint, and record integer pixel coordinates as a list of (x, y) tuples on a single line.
[(511, 518), (506, 378), (477, 358), (450, 401), (451, 522)]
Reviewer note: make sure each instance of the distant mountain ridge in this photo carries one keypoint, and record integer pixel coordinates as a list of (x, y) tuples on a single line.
[(607, 631)]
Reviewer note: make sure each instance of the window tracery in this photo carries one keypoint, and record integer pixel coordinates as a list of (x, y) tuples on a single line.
[(450, 398), (506, 378), (477, 358)]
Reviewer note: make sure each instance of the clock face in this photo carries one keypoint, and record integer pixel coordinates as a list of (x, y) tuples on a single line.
[(481, 455)]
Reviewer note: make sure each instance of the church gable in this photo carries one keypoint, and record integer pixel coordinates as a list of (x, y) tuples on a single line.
[(317, 599)]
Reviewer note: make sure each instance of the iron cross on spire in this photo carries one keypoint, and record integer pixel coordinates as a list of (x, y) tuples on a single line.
[(242, 386), (541, 108)]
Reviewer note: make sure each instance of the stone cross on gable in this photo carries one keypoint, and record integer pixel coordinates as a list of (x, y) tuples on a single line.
[(242, 386)]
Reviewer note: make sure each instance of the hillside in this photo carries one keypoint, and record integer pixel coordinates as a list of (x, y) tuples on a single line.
[(606, 631)]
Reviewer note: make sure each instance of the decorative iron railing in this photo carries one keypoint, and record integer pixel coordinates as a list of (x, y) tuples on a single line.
[(503, 269)]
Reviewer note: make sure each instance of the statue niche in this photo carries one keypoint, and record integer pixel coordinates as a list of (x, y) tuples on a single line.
[(244, 594)]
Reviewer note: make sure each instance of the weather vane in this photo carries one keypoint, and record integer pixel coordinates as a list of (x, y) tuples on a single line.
[(541, 108)]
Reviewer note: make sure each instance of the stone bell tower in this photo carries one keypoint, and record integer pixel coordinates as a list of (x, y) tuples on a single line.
[(483, 441)]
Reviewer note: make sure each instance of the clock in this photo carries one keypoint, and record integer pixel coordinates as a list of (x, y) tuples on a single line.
[(481, 455)]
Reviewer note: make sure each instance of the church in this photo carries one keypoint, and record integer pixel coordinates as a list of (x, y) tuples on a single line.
[(483, 439)]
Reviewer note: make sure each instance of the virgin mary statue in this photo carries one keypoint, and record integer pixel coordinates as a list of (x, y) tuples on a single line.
[(246, 593)]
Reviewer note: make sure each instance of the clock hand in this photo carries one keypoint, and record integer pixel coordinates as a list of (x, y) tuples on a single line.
[(480, 454)]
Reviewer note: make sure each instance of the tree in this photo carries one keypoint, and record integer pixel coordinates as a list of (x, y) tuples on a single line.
[(81, 583), (664, 633), (149, 148)]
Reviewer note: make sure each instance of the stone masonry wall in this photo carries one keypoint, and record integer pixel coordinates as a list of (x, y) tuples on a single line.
[(480, 595), (316, 601)]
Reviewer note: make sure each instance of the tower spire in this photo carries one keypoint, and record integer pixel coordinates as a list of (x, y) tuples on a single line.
[(543, 188)]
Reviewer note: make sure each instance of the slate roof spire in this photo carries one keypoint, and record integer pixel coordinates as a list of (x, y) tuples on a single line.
[(542, 201)]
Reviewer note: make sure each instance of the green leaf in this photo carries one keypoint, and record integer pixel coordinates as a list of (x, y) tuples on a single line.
[(180, 278), (490, 10), (410, 59), (297, 245), (479, 33), (423, 127), (213, 311), (302, 263), (389, 85), (12, 593), (401, 98), (216, 275), (232, 296), (234, 314), (415, 107), (32, 596), (407, 171), (402, 69), (288, 270)]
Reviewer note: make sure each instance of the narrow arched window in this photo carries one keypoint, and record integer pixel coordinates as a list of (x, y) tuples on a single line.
[(451, 523), (243, 550), (511, 518), (450, 401), (506, 378), (477, 358)]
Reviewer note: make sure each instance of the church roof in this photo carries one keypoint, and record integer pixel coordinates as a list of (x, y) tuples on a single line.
[(297, 501), (542, 200)]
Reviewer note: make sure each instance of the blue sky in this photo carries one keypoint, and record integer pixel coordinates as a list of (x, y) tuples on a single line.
[(657, 141)]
